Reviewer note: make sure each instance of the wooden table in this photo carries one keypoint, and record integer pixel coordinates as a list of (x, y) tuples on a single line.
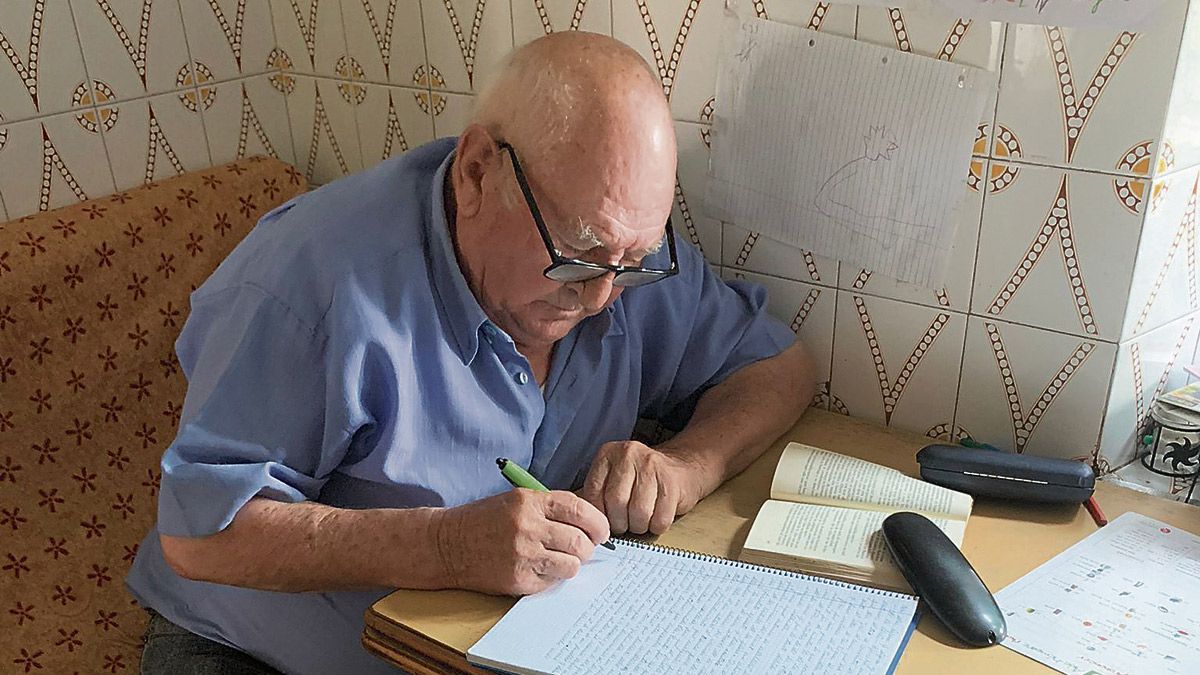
[(430, 631)]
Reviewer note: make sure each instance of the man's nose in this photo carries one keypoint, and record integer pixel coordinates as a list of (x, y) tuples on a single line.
[(594, 294)]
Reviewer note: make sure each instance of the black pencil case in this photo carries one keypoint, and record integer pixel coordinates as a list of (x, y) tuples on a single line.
[(991, 473)]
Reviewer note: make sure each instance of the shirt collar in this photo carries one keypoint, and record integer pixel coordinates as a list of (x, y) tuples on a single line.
[(459, 308)]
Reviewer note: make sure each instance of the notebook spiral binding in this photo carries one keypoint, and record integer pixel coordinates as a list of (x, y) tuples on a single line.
[(693, 555)]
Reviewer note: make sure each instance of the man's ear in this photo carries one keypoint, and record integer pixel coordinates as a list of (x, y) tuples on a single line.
[(475, 156)]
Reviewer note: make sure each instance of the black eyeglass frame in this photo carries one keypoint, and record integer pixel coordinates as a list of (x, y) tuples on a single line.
[(635, 276)]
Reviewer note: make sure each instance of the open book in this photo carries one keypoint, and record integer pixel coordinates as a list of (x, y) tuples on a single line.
[(826, 511)]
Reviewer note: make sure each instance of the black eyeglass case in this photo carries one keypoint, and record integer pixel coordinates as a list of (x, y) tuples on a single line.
[(1003, 475)]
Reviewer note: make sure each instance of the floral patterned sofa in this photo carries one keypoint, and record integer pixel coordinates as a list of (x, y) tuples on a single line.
[(92, 297)]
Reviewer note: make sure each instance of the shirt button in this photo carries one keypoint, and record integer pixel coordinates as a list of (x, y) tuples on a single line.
[(521, 377)]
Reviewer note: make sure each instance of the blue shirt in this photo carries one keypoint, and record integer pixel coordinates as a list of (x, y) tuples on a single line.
[(338, 356)]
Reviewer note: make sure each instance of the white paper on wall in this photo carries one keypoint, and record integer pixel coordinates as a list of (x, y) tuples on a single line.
[(850, 150)]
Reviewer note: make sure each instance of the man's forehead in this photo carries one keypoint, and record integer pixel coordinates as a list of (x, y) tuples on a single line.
[(611, 234)]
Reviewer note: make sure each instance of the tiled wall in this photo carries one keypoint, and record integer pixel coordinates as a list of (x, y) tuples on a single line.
[(1073, 289), (101, 95)]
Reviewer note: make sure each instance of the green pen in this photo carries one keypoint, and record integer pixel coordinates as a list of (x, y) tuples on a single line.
[(517, 475)]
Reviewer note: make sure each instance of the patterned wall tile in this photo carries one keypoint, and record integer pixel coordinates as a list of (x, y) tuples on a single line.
[(135, 46), (41, 64), (52, 161), (1165, 284), (230, 38), (751, 251), (324, 129), (809, 311), (1146, 367), (688, 217), (1032, 390), (1056, 250), (1181, 133), (466, 40), (896, 363), (391, 121), (308, 34), (158, 137), (451, 112), (681, 40), (1087, 97), (535, 18), (385, 38), (248, 117), (956, 292)]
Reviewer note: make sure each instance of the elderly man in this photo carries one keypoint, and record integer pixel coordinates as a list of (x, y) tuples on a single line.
[(359, 362)]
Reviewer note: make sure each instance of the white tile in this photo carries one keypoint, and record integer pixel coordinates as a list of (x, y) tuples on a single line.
[(386, 38), (895, 363), (50, 162), (156, 138), (1033, 391), (1146, 366), (230, 37), (466, 40), (680, 39), (1057, 262), (935, 32), (688, 216), (535, 18), (1181, 133), (1084, 97), (391, 121), (451, 112), (310, 32), (755, 252), (956, 292), (324, 130), (40, 75), (808, 310), (248, 117), (134, 46), (1165, 284)]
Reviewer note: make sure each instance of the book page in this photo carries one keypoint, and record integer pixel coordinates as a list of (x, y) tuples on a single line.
[(643, 609), (818, 476), (840, 535)]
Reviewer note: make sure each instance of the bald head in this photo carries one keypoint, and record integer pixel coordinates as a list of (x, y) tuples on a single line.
[(575, 92)]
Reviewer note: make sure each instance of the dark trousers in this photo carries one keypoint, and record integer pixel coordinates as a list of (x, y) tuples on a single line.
[(171, 650)]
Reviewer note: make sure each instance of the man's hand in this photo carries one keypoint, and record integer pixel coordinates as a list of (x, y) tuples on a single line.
[(640, 488), (518, 542)]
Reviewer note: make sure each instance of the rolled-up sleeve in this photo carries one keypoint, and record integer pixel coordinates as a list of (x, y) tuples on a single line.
[(266, 414), (703, 330)]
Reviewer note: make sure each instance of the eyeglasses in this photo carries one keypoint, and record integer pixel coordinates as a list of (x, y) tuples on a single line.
[(571, 270)]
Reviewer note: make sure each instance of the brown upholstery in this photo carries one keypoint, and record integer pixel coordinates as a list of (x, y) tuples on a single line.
[(92, 297)]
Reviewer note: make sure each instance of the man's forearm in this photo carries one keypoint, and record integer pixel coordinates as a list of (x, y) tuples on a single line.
[(735, 421), (308, 546)]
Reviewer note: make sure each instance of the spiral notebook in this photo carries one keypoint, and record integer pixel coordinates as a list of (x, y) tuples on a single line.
[(650, 609)]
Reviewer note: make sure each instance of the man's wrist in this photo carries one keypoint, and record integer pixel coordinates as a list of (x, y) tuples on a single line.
[(444, 527), (705, 477)]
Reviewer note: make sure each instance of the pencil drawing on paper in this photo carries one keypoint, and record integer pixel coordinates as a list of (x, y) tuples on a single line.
[(851, 196)]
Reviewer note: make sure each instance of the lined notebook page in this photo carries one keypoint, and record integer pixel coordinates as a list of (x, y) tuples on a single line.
[(850, 150), (643, 609)]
